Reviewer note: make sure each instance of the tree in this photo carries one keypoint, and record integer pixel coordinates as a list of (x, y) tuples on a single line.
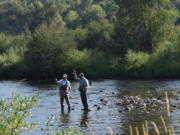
[(47, 51), (93, 13), (97, 35), (85, 4), (143, 24), (72, 19), (111, 8)]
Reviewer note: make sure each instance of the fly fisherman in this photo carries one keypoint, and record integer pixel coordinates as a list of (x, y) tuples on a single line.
[(83, 85), (64, 89)]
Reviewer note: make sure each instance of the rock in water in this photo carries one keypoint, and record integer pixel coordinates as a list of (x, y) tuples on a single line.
[(98, 108)]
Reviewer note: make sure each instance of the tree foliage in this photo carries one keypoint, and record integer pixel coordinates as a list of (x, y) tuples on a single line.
[(47, 50), (145, 23), (104, 38)]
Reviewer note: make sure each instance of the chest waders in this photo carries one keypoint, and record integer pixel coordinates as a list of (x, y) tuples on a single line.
[(63, 93), (83, 94)]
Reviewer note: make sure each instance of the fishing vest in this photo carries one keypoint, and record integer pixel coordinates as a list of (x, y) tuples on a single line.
[(64, 87)]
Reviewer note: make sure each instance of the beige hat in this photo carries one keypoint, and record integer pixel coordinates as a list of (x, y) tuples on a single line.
[(81, 74)]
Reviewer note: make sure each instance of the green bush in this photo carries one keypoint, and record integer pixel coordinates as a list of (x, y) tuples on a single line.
[(13, 114), (136, 64), (12, 55), (163, 63), (47, 51)]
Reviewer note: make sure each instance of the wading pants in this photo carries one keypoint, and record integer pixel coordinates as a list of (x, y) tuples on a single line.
[(64, 96), (83, 94)]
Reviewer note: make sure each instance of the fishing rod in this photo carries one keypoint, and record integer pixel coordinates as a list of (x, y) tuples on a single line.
[(48, 65)]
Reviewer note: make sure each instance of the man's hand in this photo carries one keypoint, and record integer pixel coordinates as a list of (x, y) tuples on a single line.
[(69, 89), (74, 72), (56, 79)]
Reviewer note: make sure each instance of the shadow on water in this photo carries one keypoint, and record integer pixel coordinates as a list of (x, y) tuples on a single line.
[(103, 98)]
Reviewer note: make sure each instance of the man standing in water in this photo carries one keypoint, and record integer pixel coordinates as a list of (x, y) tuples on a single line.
[(64, 89), (83, 85)]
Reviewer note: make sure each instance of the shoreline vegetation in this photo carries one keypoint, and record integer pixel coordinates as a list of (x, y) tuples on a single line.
[(114, 39)]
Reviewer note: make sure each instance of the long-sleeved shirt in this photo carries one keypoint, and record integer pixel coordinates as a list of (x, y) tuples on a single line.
[(82, 81), (64, 82)]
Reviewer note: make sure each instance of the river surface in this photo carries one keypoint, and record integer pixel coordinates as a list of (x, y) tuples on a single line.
[(109, 115)]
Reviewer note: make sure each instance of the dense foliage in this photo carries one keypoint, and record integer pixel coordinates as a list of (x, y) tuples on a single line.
[(41, 39), (13, 114)]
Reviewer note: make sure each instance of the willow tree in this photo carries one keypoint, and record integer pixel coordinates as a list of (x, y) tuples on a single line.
[(143, 24)]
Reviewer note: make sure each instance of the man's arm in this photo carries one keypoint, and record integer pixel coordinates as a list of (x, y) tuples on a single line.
[(69, 85), (58, 81), (75, 76)]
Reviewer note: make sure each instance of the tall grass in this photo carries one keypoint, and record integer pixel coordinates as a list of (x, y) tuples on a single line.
[(164, 124), (110, 131), (146, 128), (130, 130), (167, 103), (153, 129), (90, 129)]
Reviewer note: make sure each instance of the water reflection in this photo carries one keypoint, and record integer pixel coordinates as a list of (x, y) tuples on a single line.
[(65, 116), (84, 118)]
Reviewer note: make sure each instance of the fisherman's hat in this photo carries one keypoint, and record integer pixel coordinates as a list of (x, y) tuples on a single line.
[(81, 74), (64, 76)]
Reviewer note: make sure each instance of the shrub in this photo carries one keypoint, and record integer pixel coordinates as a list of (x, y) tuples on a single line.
[(13, 112), (136, 64), (12, 55), (47, 51)]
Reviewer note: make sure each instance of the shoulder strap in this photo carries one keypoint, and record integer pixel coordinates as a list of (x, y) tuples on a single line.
[(66, 82)]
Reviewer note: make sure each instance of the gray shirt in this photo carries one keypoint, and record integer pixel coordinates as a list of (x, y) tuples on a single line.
[(82, 81)]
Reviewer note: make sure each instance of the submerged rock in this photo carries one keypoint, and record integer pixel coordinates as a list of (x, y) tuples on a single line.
[(140, 104), (98, 108), (104, 100), (120, 111), (174, 106)]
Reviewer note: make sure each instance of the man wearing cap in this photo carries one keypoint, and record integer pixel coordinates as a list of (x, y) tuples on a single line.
[(83, 85), (64, 89)]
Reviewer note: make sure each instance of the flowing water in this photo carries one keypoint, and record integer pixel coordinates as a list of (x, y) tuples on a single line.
[(109, 115)]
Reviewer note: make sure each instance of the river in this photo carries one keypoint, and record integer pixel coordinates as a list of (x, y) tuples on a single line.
[(108, 115)]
